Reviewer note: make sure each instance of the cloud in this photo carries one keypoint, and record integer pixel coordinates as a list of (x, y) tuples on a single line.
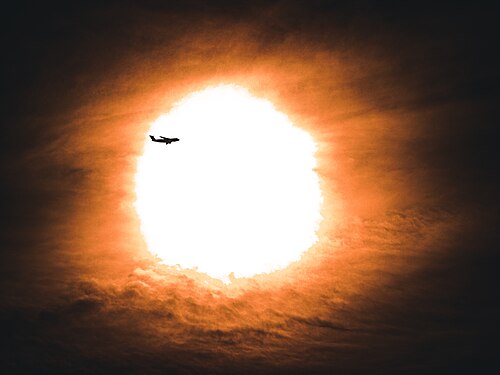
[(404, 277)]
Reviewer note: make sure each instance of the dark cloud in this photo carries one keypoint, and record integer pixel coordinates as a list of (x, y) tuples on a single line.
[(402, 99)]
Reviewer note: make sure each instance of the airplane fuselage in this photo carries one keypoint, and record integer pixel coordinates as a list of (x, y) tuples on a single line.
[(163, 139)]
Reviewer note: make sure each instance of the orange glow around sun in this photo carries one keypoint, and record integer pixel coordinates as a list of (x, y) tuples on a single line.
[(237, 194)]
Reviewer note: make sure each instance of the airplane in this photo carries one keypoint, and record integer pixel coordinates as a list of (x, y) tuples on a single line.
[(164, 139)]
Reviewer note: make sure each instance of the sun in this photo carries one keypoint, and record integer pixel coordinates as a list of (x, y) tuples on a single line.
[(238, 194)]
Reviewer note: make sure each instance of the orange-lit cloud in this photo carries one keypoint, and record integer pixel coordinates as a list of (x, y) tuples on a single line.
[(395, 154)]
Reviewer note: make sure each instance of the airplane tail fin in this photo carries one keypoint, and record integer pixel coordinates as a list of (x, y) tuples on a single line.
[(152, 138)]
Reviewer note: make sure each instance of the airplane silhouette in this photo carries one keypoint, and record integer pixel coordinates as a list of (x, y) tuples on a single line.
[(164, 139)]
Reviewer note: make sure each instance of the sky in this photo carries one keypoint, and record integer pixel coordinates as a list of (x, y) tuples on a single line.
[(402, 100)]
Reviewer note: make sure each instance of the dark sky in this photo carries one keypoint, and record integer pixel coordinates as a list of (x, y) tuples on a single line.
[(402, 98)]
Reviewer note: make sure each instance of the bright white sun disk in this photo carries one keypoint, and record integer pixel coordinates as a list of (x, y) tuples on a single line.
[(237, 194)]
